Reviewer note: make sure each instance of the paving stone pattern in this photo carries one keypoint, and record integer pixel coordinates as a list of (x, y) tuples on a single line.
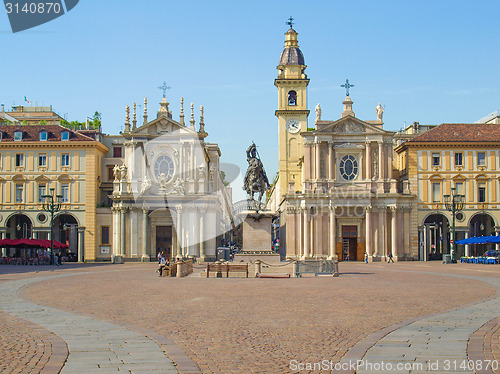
[(259, 325)]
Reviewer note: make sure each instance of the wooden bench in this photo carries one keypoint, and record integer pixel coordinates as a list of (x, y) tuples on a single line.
[(227, 268)]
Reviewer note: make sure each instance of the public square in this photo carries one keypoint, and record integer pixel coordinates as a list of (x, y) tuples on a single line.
[(138, 322)]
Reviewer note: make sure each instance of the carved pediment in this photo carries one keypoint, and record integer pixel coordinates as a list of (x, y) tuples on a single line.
[(349, 127), (162, 126), (349, 146)]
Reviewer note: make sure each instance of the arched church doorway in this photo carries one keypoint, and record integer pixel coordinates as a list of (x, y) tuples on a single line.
[(436, 236), (481, 224), (66, 231)]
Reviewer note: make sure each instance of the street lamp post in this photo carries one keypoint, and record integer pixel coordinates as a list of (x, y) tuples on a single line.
[(454, 203), (52, 204)]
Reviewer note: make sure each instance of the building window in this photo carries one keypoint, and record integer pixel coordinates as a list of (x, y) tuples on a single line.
[(104, 235), (19, 193), (65, 159), (348, 167), (65, 135), (117, 152), (459, 188), (459, 159), (436, 192), (42, 190), (18, 136), (481, 193), (111, 173), (292, 98), (65, 192), (436, 159), (481, 159), (19, 159), (43, 136), (42, 159)]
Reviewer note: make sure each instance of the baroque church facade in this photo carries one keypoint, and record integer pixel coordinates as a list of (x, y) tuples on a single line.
[(167, 191), (336, 192)]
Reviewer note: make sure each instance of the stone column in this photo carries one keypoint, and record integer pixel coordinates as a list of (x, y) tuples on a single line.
[(178, 231), (307, 227), (202, 234), (394, 237), (369, 161), (406, 212), (133, 233), (144, 250), (318, 246), (4, 250), (317, 161), (81, 244), (389, 150), (123, 231), (118, 242), (331, 161), (333, 234), (368, 234), (381, 173), (426, 239), (382, 232), (300, 230), (467, 246)]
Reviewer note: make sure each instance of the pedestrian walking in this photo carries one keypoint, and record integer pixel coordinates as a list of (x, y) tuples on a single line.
[(390, 258), (366, 257)]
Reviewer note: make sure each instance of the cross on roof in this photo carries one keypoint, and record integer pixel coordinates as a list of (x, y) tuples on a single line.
[(290, 22), (347, 85), (164, 88)]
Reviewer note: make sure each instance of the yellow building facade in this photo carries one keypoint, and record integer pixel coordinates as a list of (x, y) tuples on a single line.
[(460, 156), (37, 158)]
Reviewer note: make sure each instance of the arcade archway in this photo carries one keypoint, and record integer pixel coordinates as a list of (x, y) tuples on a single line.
[(436, 236), (481, 224)]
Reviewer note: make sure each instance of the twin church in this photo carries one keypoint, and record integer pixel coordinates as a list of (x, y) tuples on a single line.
[(346, 188)]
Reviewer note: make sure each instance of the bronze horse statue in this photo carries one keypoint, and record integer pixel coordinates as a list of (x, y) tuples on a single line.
[(255, 178)]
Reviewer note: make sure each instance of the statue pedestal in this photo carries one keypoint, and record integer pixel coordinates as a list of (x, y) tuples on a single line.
[(257, 238)]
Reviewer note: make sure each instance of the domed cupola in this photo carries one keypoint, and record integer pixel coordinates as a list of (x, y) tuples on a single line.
[(291, 55)]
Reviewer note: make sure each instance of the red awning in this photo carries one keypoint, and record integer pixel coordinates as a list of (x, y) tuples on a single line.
[(33, 243)]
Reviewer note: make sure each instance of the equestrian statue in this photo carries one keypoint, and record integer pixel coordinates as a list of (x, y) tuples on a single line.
[(255, 178)]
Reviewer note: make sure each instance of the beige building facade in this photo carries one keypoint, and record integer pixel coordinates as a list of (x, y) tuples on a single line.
[(336, 194)]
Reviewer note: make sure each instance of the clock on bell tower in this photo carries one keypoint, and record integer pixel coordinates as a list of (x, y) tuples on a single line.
[(292, 111)]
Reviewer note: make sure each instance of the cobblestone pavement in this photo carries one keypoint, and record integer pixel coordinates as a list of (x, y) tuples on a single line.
[(29, 348), (94, 346), (260, 325)]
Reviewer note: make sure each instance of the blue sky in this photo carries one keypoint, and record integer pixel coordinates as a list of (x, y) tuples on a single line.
[(426, 61)]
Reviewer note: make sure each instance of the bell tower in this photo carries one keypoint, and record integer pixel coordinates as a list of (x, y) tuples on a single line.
[(292, 111)]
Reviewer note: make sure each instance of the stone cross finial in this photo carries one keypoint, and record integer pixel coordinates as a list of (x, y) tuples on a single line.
[(145, 110)]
